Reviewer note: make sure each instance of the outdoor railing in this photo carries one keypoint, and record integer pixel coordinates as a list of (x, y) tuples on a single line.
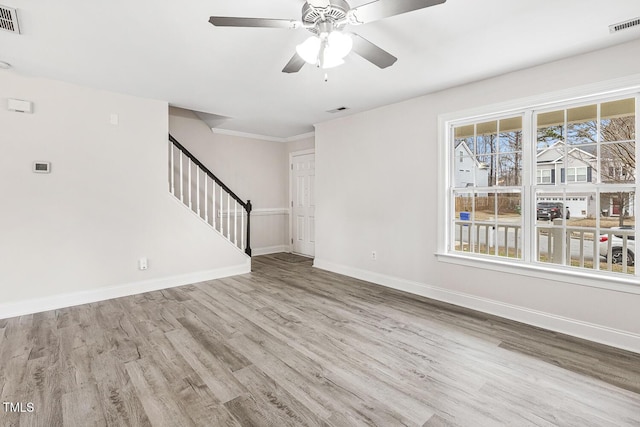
[(609, 249)]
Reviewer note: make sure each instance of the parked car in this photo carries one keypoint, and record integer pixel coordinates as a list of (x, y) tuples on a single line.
[(617, 246), (552, 210)]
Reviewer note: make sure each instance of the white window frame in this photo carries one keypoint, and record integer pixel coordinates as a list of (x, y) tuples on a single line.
[(594, 93), (573, 171), (540, 176)]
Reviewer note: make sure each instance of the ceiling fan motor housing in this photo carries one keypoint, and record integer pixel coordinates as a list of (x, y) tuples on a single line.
[(324, 19)]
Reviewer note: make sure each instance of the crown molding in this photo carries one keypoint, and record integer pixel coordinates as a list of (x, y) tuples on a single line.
[(262, 137)]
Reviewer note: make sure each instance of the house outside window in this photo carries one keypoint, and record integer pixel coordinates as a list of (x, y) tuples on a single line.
[(548, 187)]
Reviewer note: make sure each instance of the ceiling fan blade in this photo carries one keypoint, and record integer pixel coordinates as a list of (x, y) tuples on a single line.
[(228, 21), (384, 8), (294, 65), (371, 52)]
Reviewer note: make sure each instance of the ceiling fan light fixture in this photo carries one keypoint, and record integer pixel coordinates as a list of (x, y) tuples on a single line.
[(309, 50), (330, 60), (329, 49), (339, 43)]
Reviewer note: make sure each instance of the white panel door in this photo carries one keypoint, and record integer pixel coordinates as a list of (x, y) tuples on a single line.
[(303, 204)]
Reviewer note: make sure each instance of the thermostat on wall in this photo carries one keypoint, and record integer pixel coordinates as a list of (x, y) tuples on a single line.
[(19, 106), (41, 167)]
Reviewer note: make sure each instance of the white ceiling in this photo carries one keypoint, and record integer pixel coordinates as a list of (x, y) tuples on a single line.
[(166, 49)]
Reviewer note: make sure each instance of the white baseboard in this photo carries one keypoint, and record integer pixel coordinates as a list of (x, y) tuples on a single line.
[(269, 250), (37, 305), (576, 328)]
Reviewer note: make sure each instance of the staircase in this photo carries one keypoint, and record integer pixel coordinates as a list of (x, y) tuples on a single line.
[(208, 197)]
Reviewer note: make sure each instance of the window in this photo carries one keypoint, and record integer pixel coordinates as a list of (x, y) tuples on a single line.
[(577, 174), (488, 199), (543, 176), (560, 196)]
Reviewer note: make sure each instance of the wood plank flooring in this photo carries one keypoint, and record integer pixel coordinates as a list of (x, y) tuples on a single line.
[(289, 345)]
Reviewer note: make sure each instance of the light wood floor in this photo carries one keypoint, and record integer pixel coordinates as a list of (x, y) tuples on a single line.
[(289, 345)]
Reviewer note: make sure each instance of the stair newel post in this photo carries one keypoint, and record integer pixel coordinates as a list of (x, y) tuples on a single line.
[(248, 208)]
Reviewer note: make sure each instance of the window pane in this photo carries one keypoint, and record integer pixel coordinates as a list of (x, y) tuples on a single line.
[(508, 232), (550, 129), (545, 244), (486, 170), (618, 120), (618, 163), (509, 205), (485, 206), (617, 208), (582, 125), (483, 230), (550, 147), (551, 214), (463, 212), (580, 207), (465, 135), (509, 169), (463, 206), (581, 165), (464, 171), (582, 247), (616, 243), (487, 137), (510, 135), (550, 207)]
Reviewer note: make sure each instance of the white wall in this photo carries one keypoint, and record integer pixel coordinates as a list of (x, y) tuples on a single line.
[(254, 169), (377, 190), (308, 143), (76, 234)]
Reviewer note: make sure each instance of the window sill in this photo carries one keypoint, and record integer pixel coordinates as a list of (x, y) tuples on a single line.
[(630, 285)]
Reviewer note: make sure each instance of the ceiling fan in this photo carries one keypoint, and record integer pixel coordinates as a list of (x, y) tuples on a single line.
[(326, 20)]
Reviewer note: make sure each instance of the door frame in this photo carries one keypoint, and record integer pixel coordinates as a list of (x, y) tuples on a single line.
[(293, 154)]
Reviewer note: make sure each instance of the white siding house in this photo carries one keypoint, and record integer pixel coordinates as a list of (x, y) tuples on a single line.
[(468, 171), (579, 168)]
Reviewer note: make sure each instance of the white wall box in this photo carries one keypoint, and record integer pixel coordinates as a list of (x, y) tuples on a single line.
[(19, 106)]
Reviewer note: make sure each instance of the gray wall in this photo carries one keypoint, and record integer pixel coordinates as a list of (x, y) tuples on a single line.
[(377, 190), (76, 234), (254, 169)]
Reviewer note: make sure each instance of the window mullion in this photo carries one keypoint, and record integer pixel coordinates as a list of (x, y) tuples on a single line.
[(528, 182), (637, 151)]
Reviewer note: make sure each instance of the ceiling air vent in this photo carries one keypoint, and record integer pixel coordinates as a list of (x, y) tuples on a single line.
[(624, 25), (9, 19), (337, 110)]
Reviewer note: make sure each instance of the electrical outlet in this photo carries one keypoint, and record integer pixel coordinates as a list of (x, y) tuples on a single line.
[(143, 264), (374, 255)]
